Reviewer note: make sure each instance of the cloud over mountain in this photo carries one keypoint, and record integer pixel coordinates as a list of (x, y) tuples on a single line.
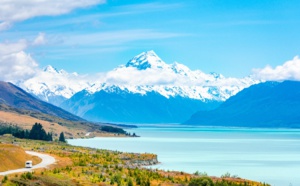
[(142, 74), (290, 70), (148, 69), (15, 64)]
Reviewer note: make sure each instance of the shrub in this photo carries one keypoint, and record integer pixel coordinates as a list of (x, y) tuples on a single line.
[(130, 182), (226, 175), (202, 181), (4, 180)]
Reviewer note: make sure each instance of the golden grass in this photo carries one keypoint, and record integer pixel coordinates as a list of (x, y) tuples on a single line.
[(69, 128), (14, 157), (26, 122)]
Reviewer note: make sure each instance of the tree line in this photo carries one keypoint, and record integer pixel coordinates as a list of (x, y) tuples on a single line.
[(37, 132), (117, 130)]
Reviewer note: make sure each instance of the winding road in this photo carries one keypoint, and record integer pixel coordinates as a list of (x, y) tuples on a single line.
[(46, 161)]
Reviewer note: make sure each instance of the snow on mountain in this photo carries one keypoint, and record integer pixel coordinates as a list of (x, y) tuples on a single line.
[(144, 73), (147, 60), (54, 86)]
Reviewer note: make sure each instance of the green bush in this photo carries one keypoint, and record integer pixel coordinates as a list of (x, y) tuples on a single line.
[(4, 180), (202, 181)]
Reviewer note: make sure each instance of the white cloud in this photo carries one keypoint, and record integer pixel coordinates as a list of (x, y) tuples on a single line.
[(15, 64), (133, 76), (94, 43), (290, 70), (5, 25), (9, 48), (167, 77), (40, 39), (16, 10), (167, 82), (117, 37)]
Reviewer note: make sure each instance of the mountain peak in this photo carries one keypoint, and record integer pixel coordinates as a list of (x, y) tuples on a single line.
[(146, 60), (50, 69)]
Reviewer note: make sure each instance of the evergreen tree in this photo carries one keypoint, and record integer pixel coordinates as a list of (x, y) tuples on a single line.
[(37, 132), (62, 137), (49, 137), (27, 132)]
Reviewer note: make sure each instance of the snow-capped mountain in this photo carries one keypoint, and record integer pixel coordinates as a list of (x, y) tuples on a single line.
[(148, 90), (144, 73), (147, 72), (54, 86), (147, 60), (145, 84)]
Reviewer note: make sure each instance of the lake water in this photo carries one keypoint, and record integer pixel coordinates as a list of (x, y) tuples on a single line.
[(266, 155)]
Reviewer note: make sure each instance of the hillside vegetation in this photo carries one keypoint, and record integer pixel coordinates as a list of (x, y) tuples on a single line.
[(88, 166), (72, 129)]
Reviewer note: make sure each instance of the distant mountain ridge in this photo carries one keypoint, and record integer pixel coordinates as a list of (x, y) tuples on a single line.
[(125, 107), (53, 86), (270, 104), (15, 97)]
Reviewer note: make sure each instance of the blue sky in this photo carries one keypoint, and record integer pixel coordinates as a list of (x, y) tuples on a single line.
[(230, 37)]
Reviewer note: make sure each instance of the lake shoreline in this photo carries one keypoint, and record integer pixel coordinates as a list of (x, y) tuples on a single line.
[(221, 142)]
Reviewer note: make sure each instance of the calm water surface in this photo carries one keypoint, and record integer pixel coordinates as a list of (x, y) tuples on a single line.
[(266, 155)]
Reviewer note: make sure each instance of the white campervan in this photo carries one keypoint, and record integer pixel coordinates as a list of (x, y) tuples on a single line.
[(28, 164)]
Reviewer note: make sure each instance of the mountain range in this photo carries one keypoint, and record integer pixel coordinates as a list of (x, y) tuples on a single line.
[(123, 106), (269, 104), (15, 97), (148, 90), (21, 109), (145, 89), (52, 85)]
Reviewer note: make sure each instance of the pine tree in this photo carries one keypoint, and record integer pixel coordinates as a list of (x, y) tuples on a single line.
[(49, 137), (62, 137), (37, 132)]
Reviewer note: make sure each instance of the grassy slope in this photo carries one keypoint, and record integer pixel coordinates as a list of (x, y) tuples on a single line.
[(14, 157), (26, 122), (25, 119)]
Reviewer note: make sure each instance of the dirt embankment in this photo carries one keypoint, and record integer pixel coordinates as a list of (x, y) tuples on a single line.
[(14, 157)]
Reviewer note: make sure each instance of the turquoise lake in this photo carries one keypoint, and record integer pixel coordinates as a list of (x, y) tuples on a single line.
[(265, 155)]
